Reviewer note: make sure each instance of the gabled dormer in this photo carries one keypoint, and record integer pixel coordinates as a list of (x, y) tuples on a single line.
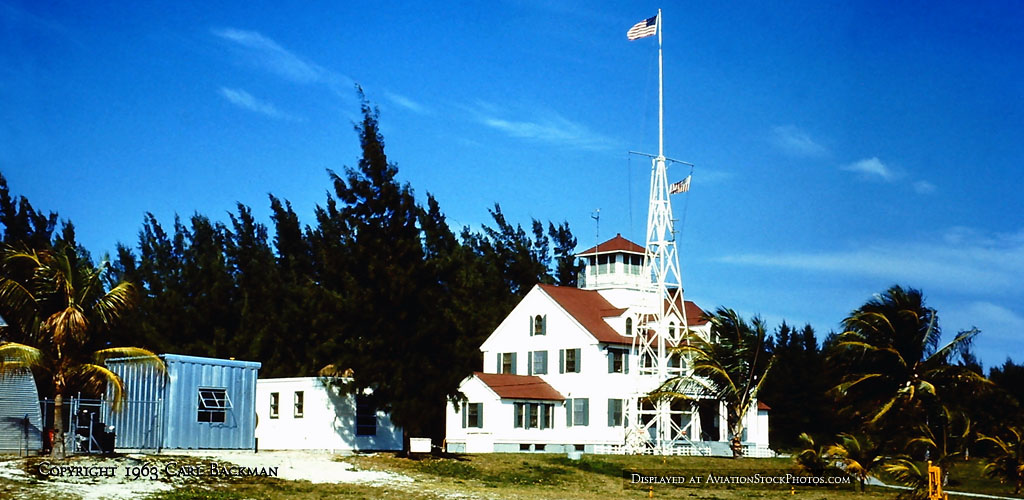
[(615, 264)]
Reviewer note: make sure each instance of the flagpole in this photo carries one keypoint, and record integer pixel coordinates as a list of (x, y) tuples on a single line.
[(661, 96)]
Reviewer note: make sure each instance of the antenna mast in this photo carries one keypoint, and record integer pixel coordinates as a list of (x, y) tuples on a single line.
[(656, 426)]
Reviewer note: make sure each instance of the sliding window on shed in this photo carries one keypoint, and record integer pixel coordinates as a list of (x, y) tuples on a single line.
[(213, 405)]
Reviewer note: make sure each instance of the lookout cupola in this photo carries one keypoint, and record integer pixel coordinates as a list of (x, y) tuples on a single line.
[(616, 263)]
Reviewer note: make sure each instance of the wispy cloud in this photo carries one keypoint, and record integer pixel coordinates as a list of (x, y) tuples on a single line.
[(924, 187), (988, 264), (407, 103), (795, 142), (871, 168), (543, 126), (988, 312), (271, 56), (246, 101)]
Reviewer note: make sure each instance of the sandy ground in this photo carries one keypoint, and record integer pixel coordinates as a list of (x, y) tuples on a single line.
[(115, 477)]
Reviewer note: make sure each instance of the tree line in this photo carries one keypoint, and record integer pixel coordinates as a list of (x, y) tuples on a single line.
[(377, 285), (882, 397)]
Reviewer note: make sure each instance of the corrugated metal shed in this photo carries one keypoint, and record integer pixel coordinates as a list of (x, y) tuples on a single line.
[(20, 416), (201, 403)]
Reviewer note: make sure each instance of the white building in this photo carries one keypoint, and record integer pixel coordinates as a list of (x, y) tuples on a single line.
[(562, 382), (304, 414)]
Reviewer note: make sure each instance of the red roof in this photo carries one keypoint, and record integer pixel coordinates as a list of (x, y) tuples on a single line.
[(616, 244), (519, 386), (694, 314), (589, 308), (762, 406)]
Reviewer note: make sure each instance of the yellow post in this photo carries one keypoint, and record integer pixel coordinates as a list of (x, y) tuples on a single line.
[(935, 483)]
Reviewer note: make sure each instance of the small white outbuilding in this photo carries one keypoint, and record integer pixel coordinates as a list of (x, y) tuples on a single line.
[(304, 413)]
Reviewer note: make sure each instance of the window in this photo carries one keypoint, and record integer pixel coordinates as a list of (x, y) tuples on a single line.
[(275, 404), (577, 412), (473, 415), (618, 361), (614, 413), (636, 263), (547, 416), (366, 417), (569, 361), (672, 330), (533, 415), (629, 327), (602, 264), (538, 325), (507, 362), (213, 405), (537, 362), (299, 396)]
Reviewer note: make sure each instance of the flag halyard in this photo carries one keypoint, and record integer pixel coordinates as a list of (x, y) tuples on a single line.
[(647, 27)]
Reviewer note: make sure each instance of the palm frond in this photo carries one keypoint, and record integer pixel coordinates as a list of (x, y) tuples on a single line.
[(965, 337), (67, 324), (132, 356), (844, 388), (114, 303), (96, 378), (19, 305), (18, 357)]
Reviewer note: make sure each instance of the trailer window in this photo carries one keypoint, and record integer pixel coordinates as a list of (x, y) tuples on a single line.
[(213, 404)]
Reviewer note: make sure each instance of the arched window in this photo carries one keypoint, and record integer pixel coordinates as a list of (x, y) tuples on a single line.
[(629, 326), (672, 330), (538, 325)]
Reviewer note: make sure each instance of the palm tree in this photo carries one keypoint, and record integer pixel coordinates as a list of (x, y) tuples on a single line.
[(813, 459), (732, 366), (56, 308), (1007, 459), (891, 351), (910, 474), (858, 454)]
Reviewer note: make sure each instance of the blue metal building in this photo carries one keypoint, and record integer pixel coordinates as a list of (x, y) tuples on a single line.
[(200, 403)]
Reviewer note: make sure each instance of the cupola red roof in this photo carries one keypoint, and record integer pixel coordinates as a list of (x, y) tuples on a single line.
[(616, 244)]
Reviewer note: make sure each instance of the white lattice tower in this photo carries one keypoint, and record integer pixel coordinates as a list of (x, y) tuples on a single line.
[(652, 428)]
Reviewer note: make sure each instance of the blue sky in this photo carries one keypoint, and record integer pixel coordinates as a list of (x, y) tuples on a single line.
[(839, 147)]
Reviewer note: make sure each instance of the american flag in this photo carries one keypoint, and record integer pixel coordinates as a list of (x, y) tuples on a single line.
[(645, 28), (680, 187)]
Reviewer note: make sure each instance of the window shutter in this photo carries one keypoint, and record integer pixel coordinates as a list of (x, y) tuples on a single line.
[(611, 361), (465, 415), (544, 325), (480, 415), (529, 362), (568, 413), (513, 372), (578, 361), (561, 361), (625, 362), (499, 364), (586, 411), (531, 325), (611, 413)]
